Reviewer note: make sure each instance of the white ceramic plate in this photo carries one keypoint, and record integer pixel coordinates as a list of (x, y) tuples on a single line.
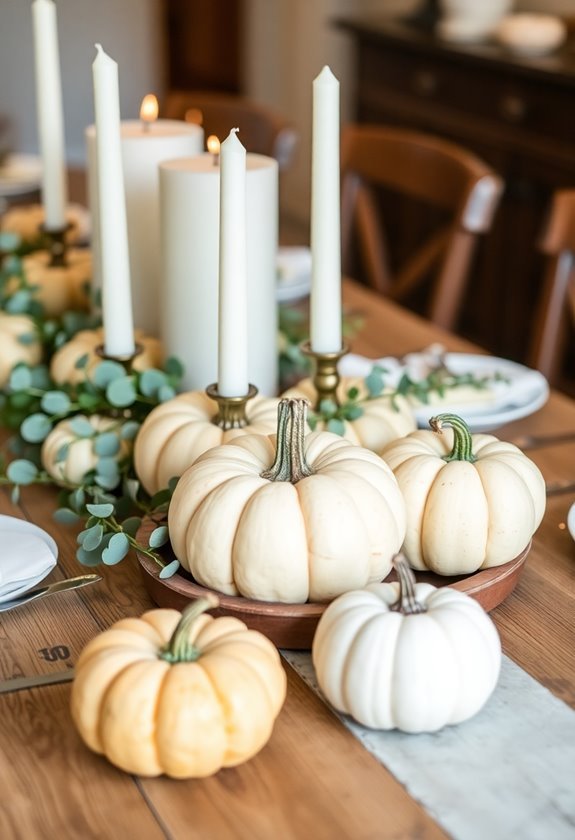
[(524, 391), (293, 273), (20, 174), (27, 555), (571, 520)]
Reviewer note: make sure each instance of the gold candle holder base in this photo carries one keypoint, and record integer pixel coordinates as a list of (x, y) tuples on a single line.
[(231, 410), (57, 245), (127, 360), (326, 378)]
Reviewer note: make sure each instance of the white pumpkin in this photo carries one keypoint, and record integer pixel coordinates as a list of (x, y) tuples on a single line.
[(60, 288), (63, 368), (406, 656), (178, 431), (472, 501), (69, 457), (13, 351), (288, 518), (382, 420)]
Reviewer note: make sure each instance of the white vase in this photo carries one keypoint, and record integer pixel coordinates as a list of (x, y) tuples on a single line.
[(471, 20)]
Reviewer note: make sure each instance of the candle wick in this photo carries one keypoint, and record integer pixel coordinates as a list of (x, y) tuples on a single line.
[(216, 158), (145, 126)]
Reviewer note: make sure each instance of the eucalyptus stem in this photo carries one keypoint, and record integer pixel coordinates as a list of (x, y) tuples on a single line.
[(290, 463), (462, 440), (407, 603), (179, 648)]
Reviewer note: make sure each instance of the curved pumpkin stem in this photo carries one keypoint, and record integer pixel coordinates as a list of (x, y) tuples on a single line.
[(290, 462), (179, 648), (462, 440), (407, 603)]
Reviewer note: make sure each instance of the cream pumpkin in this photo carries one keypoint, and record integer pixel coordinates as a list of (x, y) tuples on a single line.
[(13, 350), (60, 288), (63, 368), (382, 420), (472, 501), (25, 221), (177, 432), (406, 656), (288, 518), (180, 695), (69, 457)]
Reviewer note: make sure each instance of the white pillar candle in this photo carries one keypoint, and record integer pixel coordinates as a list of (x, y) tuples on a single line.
[(233, 285), (325, 217), (50, 114), (114, 257), (144, 147), (189, 209)]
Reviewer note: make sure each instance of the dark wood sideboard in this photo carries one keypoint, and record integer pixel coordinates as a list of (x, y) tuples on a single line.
[(518, 114)]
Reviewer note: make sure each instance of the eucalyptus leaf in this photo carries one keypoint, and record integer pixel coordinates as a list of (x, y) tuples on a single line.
[(107, 467), (116, 550), (374, 382), (336, 426), (20, 378), (82, 427), (169, 570), (158, 537), (106, 372), (77, 499), (107, 444), (129, 430), (62, 453), (18, 302), (40, 377), (28, 339), (131, 525), (151, 381), (174, 367), (88, 401), (82, 361), (108, 482), (92, 537), (36, 428), (55, 402), (93, 558), (101, 511), (121, 392), (165, 393), (22, 471), (66, 516)]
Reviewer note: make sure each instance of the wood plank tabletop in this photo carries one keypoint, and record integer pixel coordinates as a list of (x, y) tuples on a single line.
[(314, 778)]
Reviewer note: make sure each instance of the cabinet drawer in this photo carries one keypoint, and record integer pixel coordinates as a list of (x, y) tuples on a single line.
[(491, 94)]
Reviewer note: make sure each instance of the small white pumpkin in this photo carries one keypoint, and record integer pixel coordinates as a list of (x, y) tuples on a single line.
[(178, 431), (406, 656), (63, 368), (68, 457), (382, 420), (12, 349), (472, 501), (287, 518), (60, 288)]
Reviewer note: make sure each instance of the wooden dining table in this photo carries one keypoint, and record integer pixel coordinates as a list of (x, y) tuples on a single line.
[(315, 778)]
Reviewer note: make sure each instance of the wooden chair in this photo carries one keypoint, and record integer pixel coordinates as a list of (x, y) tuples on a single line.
[(428, 170), (556, 310), (262, 130)]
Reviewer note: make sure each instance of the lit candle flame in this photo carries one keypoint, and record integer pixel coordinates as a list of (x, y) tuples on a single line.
[(213, 145), (149, 110)]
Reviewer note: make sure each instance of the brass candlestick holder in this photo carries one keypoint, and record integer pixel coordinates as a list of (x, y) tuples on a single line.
[(231, 410), (57, 244), (127, 360), (326, 377)]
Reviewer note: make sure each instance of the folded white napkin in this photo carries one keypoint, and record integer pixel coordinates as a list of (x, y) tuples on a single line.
[(27, 555)]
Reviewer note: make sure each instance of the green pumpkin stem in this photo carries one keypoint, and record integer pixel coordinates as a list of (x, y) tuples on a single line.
[(407, 603), (462, 440), (179, 648), (290, 462)]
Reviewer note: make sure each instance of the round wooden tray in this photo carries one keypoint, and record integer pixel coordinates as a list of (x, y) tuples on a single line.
[(293, 625)]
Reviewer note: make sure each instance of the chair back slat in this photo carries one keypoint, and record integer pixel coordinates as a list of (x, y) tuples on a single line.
[(426, 169)]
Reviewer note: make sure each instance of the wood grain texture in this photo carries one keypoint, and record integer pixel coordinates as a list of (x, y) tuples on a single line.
[(313, 779)]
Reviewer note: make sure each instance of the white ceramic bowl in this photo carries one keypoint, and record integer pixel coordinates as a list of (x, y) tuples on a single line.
[(531, 34)]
